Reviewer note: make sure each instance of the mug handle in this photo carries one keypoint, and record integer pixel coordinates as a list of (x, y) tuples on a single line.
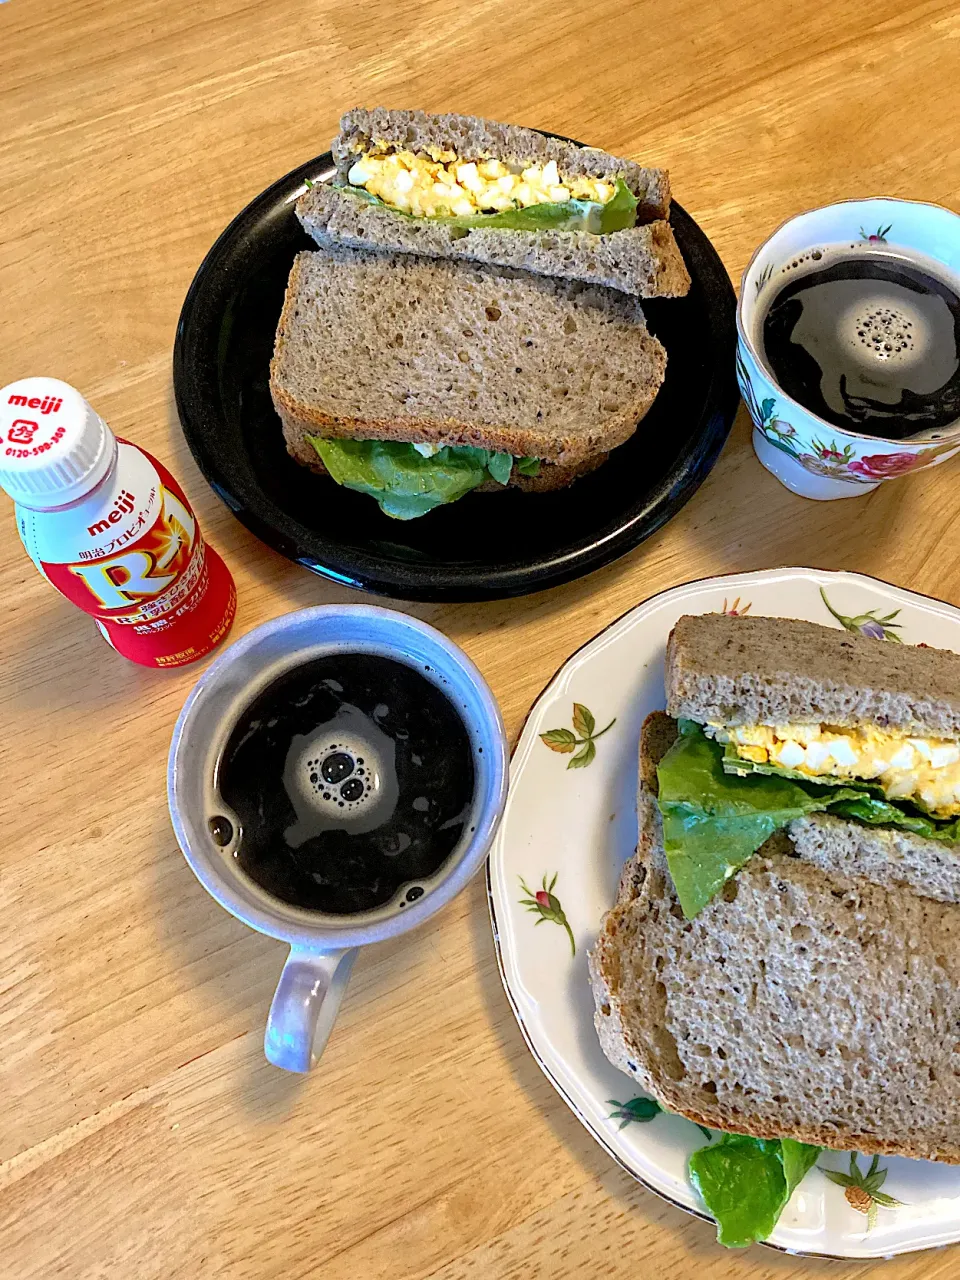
[(305, 1006)]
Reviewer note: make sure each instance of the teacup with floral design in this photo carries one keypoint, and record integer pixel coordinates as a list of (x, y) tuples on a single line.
[(806, 453)]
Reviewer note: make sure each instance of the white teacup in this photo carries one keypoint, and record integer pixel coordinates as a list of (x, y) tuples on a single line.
[(323, 947), (813, 457)]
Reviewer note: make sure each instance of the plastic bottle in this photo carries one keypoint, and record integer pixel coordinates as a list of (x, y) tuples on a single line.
[(110, 528)]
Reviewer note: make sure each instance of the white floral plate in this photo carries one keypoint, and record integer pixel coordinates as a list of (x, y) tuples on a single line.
[(569, 825)]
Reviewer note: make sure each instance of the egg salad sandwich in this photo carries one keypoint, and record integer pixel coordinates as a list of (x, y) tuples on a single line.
[(417, 380), (453, 186), (782, 965)]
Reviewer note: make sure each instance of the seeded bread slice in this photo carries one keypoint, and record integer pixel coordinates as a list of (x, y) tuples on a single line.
[(758, 670), (372, 346), (885, 856), (809, 1000), (471, 138), (643, 260)]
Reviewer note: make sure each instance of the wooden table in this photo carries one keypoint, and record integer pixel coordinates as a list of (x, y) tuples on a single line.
[(141, 1132)]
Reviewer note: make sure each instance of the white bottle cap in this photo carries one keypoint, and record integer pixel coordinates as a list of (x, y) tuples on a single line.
[(53, 447)]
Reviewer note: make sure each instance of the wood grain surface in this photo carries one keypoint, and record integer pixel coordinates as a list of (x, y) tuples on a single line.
[(142, 1134)]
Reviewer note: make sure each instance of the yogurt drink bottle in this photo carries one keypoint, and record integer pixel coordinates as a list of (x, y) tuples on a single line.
[(110, 528)]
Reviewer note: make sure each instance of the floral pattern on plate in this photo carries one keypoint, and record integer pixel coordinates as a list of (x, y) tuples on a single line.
[(862, 1190), (868, 624), (545, 904), (566, 741)]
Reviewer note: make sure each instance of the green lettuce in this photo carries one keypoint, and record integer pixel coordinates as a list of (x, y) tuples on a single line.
[(871, 807), (405, 483), (715, 819), (714, 822), (746, 1183), (618, 214), (876, 812)]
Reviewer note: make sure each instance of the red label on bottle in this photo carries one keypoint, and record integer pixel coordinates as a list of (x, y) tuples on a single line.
[(160, 596)]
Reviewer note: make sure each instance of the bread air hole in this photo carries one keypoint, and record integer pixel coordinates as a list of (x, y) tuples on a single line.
[(492, 312)]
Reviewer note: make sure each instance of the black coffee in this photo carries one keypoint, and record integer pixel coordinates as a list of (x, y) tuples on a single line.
[(352, 778), (869, 343)]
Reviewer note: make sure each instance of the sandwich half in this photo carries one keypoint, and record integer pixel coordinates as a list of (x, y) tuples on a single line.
[(782, 963), (418, 380), (785, 721), (454, 186)]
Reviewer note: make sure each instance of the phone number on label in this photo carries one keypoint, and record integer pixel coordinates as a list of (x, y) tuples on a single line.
[(37, 448)]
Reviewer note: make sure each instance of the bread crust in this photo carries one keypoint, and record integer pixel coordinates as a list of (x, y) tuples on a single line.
[(644, 261), (756, 670)]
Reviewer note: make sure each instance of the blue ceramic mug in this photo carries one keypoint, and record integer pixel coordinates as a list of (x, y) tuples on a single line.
[(323, 947)]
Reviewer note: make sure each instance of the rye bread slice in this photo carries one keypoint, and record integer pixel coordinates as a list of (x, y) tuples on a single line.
[(375, 346), (809, 1000), (643, 260), (471, 138), (885, 856), (757, 670)]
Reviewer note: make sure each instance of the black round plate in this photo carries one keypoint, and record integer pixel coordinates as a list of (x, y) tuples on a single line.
[(483, 546)]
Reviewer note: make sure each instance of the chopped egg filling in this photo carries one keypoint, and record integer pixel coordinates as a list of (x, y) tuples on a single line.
[(924, 770), (437, 183)]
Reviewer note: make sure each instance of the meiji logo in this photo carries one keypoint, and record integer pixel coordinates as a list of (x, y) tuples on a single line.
[(124, 505), (21, 431), (46, 404), (132, 576)]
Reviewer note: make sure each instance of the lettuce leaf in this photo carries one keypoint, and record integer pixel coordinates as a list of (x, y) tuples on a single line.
[(404, 483), (798, 1159), (528, 466), (871, 806), (618, 214), (715, 819), (746, 1183), (714, 822), (499, 465)]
